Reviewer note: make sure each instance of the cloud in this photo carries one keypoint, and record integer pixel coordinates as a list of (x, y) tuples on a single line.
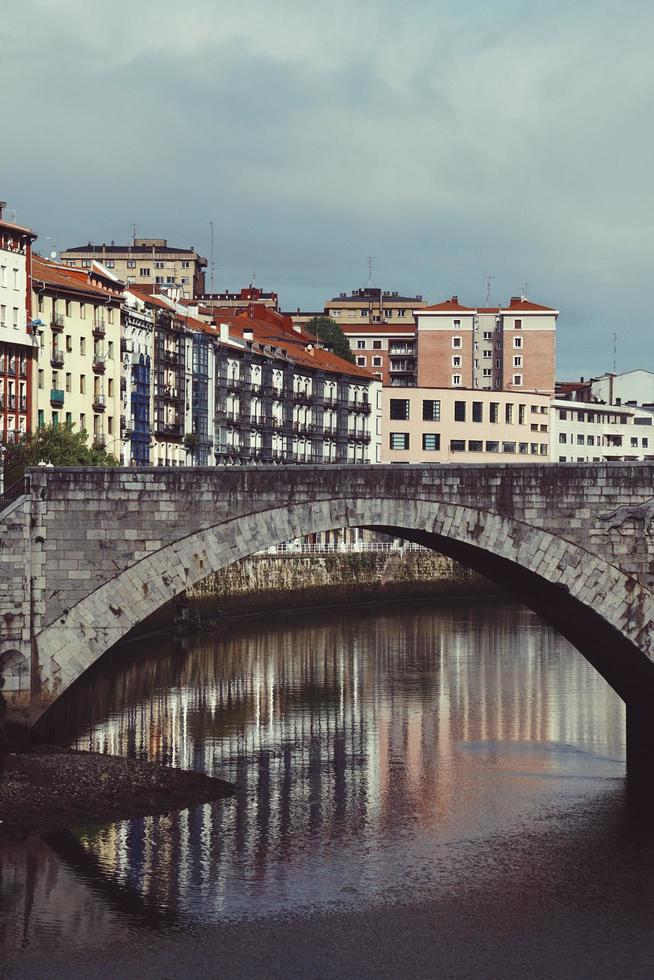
[(450, 141)]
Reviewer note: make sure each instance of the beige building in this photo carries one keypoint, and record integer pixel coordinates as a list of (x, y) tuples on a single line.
[(149, 262), (442, 425), (78, 367), (588, 432)]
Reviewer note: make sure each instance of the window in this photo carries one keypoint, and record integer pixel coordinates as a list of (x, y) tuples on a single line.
[(517, 342), (361, 361), (158, 265), (457, 445), (110, 264), (376, 362), (41, 421), (82, 384), (186, 265), (144, 272), (487, 372), (456, 380), (399, 440), (457, 342), (477, 412), (376, 345), (15, 317), (131, 264), (518, 324), (431, 441), (456, 360), (590, 441), (487, 354), (69, 382), (82, 311), (55, 419), (110, 425), (508, 413), (562, 413), (517, 360), (517, 380), (55, 379), (159, 279), (508, 447), (494, 411), (431, 410), (170, 279), (634, 441), (521, 414), (563, 438), (82, 345), (399, 408), (69, 420), (492, 447), (475, 446), (487, 335), (457, 324), (459, 411), (523, 447), (110, 387), (41, 378), (645, 443), (361, 345), (110, 348)]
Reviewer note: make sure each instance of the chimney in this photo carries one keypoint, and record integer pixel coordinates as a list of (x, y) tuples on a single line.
[(516, 299), (3, 205), (224, 331), (248, 333), (455, 299)]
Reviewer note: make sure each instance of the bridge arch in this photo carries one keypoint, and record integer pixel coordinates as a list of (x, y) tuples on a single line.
[(604, 612)]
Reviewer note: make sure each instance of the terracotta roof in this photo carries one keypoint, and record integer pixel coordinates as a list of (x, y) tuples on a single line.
[(519, 303), (65, 278), (449, 306), (564, 387)]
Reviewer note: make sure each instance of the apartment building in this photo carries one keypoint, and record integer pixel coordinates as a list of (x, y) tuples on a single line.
[(136, 387), (147, 262), (239, 300), (628, 388), (17, 348), (373, 305), (493, 348), (79, 360), (442, 425), (584, 432)]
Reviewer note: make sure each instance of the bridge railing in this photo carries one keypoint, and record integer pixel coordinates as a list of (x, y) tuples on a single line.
[(293, 550), (13, 492)]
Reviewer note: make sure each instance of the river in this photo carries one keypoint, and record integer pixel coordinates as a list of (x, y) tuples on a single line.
[(422, 791)]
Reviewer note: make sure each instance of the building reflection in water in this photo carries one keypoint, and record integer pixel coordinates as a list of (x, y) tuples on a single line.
[(358, 744)]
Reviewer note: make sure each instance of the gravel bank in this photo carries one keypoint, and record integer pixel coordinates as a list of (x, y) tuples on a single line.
[(52, 788)]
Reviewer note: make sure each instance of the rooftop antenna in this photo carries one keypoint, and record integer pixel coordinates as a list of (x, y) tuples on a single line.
[(53, 253), (211, 271), (371, 259), (254, 278), (525, 290), (133, 235), (489, 279), (615, 352)]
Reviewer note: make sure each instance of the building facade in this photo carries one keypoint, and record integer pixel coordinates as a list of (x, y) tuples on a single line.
[(79, 356), (17, 348), (147, 262), (503, 348), (442, 425), (584, 432)]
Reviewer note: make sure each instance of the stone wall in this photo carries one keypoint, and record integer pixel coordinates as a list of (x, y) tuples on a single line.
[(266, 582)]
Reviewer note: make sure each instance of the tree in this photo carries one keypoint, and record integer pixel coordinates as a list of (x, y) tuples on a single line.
[(327, 330), (56, 444)]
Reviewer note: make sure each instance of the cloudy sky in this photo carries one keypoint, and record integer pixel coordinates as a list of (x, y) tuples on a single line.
[(449, 140)]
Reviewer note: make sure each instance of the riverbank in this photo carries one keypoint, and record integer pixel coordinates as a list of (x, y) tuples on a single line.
[(49, 788)]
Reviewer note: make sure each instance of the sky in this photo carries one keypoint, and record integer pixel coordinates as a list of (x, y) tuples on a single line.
[(451, 141)]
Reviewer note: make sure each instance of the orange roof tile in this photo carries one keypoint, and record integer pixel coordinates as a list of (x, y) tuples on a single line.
[(449, 306), (66, 278)]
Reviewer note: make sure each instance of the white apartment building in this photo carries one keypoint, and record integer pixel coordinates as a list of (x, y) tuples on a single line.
[(583, 432)]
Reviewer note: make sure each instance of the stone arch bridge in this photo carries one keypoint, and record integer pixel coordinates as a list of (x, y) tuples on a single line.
[(87, 553)]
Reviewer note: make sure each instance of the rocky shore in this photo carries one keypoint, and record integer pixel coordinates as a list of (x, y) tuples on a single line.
[(48, 788)]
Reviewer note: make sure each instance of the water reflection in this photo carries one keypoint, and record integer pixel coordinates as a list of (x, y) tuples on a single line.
[(377, 757)]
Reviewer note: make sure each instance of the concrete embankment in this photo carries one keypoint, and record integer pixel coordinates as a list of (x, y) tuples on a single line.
[(267, 584)]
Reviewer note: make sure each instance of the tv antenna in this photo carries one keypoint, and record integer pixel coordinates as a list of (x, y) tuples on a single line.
[(615, 352), (53, 253), (489, 280), (371, 259), (211, 271), (525, 289)]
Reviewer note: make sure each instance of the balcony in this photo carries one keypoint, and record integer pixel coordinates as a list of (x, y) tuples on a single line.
[(402, 351), (57, 359), (171, 356), (99, 363), (99, 329), (99, 440), (57, 323), (57, 397), (99, 404)]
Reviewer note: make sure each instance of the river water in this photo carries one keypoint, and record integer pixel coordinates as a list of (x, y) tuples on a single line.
[(422, 791)]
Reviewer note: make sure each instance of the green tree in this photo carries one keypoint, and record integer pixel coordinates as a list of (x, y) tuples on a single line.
[(56, 444), (327, 330)]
